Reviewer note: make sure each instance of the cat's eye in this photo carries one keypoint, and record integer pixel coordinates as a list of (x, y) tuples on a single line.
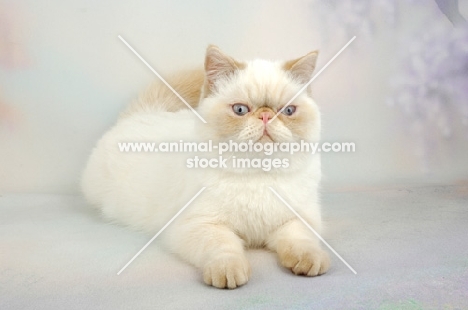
[(290, 109), (240, 109)]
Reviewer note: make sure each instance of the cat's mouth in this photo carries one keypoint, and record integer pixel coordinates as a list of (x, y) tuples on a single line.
[(265, 137)]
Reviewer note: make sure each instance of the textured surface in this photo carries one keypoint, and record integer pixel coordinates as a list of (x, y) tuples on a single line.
[(408, 244)]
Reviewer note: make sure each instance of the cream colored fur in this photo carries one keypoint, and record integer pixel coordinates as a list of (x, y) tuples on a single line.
[(158, 97), (237, 210)]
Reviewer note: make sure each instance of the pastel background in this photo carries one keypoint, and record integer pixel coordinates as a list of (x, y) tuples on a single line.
[(396, 210), (64, 77)]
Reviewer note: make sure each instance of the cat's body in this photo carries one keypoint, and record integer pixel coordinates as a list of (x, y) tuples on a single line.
[(237, 209)]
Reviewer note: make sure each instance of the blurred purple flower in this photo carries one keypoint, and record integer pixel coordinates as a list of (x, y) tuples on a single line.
[(432, 85), (355, 17)]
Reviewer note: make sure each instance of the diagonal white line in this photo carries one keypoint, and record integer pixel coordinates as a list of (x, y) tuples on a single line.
[(161, 230), (313, 230), (161, 78), (313, 78)]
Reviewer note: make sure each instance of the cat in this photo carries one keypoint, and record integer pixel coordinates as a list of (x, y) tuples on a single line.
[(237, 210)]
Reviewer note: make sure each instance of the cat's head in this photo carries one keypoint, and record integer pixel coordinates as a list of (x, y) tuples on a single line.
[(240, 98)]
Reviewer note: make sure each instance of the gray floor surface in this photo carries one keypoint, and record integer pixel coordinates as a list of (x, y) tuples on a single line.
[(408, 244)]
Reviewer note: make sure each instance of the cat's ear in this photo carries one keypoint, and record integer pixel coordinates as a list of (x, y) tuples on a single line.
[(219, 65), (302, 68)]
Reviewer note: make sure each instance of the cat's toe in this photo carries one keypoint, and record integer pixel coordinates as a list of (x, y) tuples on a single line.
[(227, 271), (304, 259)]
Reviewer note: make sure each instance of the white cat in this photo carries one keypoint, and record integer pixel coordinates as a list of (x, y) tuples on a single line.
[(237, 209)]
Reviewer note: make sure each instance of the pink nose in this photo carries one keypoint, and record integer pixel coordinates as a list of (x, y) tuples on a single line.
[(265, 116)]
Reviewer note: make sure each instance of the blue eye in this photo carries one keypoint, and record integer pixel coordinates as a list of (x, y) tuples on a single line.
[(240, 109), (290, 109)]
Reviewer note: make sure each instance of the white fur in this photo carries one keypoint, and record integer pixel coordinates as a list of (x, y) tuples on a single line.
[(144, 190)]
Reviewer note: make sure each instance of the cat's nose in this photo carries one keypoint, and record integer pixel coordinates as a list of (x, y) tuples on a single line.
[(265, 116)]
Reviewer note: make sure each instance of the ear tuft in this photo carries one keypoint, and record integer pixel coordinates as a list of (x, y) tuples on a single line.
[(219, 65), (302, 68)]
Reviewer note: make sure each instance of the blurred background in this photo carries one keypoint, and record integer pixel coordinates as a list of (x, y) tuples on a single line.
[(400, 91)]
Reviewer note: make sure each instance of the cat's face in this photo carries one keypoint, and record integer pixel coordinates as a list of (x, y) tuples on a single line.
[(240, 98)]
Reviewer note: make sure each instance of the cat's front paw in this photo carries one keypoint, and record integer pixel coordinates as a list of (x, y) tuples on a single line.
[(227, 271), (303, 258)]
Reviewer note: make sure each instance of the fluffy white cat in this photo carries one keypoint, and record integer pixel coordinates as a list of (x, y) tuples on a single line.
[(236, 210)]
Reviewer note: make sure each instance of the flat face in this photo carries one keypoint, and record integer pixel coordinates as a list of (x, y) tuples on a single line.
[(242, 105)]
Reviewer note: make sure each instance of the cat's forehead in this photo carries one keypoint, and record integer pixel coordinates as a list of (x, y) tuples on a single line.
[(263, 73), (264, 82)]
